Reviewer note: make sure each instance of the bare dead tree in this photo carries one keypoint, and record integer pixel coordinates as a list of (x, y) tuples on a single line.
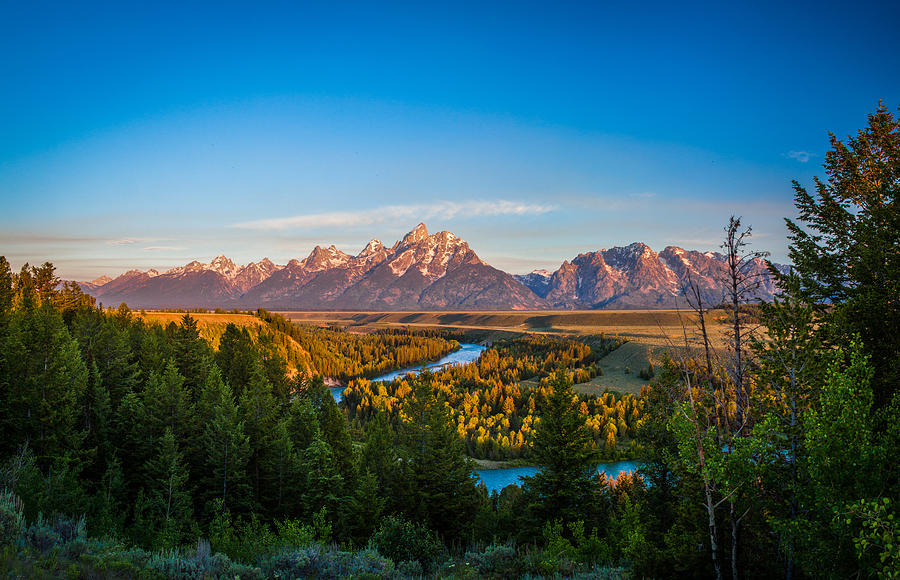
[(693, 416), (742, 282)]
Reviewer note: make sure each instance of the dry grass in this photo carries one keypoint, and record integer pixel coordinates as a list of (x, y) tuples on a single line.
[(657, 328), (211, 326)]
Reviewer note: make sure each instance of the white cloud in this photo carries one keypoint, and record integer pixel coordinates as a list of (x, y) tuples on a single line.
[(163, 248), (801, 156), (442, 210)]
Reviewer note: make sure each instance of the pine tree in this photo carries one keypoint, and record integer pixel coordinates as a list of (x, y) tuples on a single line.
[(564, 448), (169, 497), (437, 477), (47, 378), (848, 256), (364, 509), (193, 355), (258, 414), (323, 485), (168, 403), (224, 447)]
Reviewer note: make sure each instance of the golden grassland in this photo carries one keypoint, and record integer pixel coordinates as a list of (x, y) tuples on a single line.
[(211, 326), (661, 328)]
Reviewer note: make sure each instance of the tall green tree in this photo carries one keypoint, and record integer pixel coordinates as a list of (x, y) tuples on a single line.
[(169, 500), (168, 404), (6, 287), (846, 245), (224, 448), (192, 354), (46, 381), (564, 448), (440, 487)]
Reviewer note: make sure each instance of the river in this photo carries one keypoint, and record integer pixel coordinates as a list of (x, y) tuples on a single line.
[(466, 354), (497, 479)]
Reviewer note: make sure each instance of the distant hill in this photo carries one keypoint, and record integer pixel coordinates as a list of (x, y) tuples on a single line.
[(425, 272)]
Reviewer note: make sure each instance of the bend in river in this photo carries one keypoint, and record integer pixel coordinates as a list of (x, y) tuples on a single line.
[(466, 354)]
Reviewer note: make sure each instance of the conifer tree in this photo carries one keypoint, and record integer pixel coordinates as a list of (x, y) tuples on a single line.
[(192, 354), (323, 485), (6, 287), (258, 414), (564, 448), (846, 255), (364, 508), (439, 487), (169, 499), (168, 403), (47, 378), (224, 447)]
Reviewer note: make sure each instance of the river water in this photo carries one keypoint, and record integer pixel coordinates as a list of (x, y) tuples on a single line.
[(497, 479), (466, 354), (494, 479)]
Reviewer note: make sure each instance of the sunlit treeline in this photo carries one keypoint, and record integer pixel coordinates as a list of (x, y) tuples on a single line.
[(336, 353), (492, 407)]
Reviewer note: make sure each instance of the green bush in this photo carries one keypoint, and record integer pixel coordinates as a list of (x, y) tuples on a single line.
[(497, 560), (318, 561), (402, 541), (12, 518)]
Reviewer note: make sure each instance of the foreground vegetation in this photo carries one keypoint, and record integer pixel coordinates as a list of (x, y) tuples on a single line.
[(136, 450)]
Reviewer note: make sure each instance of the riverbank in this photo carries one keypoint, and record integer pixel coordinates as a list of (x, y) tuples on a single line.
[(489, 464)]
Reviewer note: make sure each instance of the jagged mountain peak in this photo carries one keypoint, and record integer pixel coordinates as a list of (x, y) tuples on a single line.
[(323, 258), (101, 280), (224, 266), (373, 247), (416, 235)]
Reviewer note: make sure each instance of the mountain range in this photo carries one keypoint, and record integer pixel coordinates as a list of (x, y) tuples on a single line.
[(428, 272)]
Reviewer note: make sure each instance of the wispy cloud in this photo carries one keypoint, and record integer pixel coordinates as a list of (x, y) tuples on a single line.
[(163, 248), (442, 210), (801, 156)]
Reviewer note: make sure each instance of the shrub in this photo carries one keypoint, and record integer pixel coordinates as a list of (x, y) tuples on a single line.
[(12, 518), (498, 560), (402, 541), (43, 535), (200, 563), (318, 561)]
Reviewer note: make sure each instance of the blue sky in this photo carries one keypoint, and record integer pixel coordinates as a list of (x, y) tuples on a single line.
[(150, 134)]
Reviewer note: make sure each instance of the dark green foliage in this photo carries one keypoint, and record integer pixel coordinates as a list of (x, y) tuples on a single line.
[(225, 448), (564, 447), (46, 378), (437, 478), (364, 508), (847, 255), (402, 541), (12, 517), (168, 502), (323, 485)]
